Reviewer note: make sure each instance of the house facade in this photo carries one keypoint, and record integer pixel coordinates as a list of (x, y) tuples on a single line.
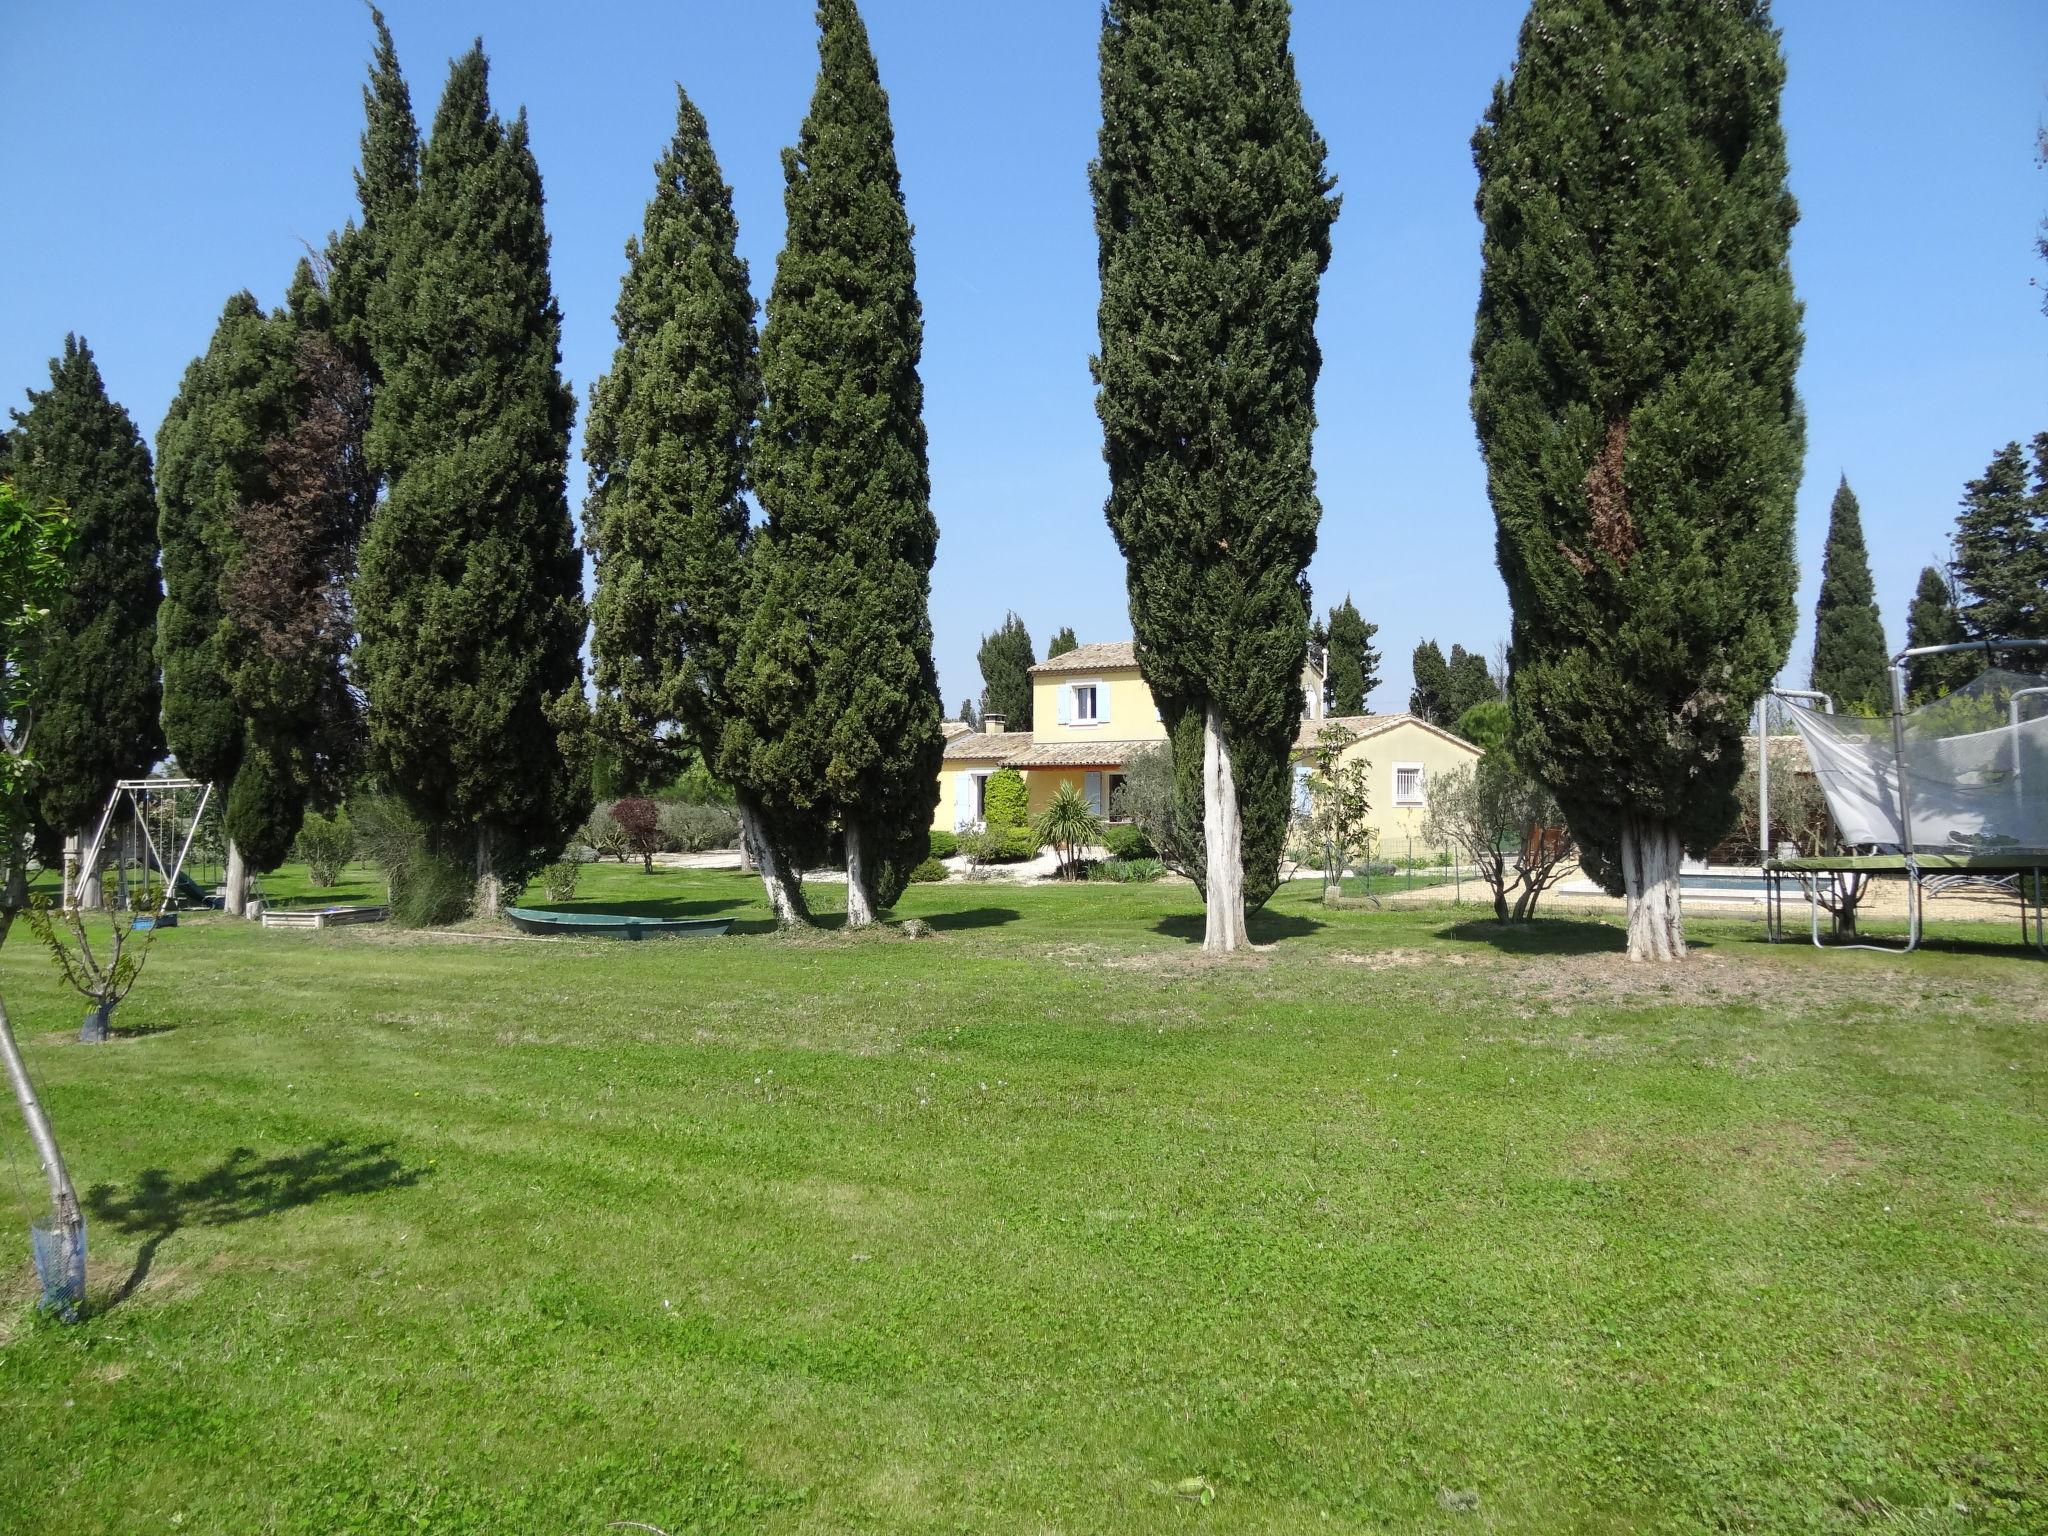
[(1092, 713)]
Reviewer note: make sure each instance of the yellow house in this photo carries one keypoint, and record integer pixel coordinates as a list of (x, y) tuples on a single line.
[(1091, 713)]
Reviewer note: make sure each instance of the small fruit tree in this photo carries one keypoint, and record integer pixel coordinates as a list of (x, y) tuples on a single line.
[(1339, 806)]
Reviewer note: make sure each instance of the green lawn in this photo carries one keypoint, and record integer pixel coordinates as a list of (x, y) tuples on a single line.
[(1394, 1226)]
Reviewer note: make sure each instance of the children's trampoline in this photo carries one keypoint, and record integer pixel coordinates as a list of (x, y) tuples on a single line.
[(1952, 793)]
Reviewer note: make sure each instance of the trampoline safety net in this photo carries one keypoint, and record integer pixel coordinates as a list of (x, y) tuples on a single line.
[(1976, 770)]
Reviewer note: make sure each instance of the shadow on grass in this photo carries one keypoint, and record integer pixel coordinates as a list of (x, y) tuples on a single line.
[(1539, 936), (940, 922), (973, 917), (240, 1188), (1261, 927)]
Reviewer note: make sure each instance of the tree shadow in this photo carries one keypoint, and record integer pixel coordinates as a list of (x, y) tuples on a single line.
[(1545, 936), (240, 1188), (1262, 927), (972, 917)]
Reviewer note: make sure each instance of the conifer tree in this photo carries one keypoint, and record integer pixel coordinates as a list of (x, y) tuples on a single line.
[(1467, 682), (2000, 564), (387, 182), (1850, 662), (840, 697), (1931, 620), (1062, 643), (1428, 698), (669, 432), (1352, 669), (285, 589), (235, 399), (1006, 661), (98, 697), (969, 715), (1633, 390), (468, 593), (1213, 215)]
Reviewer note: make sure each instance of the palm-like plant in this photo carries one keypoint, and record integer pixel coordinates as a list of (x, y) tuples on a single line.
[(1069, 824)]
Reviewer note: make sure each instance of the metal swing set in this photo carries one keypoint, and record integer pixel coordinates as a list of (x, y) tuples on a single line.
[(1952, 793), (144, 824)]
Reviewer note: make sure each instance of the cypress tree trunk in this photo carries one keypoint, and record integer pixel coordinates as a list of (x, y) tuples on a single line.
[(779, 879), (1650, 856), (860, 875), (235, 900), (490, 887), (1223, 839)]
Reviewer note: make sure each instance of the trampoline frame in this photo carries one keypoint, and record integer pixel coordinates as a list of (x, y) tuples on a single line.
[(1918, 868)]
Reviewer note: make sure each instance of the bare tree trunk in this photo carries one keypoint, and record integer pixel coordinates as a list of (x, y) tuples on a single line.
[(235, 901), (66, 1220), (490, 889), (17, 875), (1223, 831), (1650, 855), (860, 894), (784, 889)]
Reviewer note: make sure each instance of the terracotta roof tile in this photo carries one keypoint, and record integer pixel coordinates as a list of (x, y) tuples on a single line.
[(979, 746), (1098, 656)]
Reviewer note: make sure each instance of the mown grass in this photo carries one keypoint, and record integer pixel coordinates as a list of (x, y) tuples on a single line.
[(1398, 1225)]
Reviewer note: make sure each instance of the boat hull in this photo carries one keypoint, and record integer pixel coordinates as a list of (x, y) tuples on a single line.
[(614, 925)]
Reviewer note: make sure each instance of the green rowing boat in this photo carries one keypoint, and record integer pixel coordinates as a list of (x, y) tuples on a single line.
[(615, 925)]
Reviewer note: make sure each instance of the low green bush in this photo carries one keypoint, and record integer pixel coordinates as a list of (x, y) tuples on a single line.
[(325, 845), (1127, 841), (1125, 871), (1005, 802), (1001, 845), (698, 828), (945, 845), (930, 872), (559, 879)]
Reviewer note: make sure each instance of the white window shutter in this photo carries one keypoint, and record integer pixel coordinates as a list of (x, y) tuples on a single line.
[(1091, 786), (1102, 706), (1066, 703), (963, 802), (1301, 778)]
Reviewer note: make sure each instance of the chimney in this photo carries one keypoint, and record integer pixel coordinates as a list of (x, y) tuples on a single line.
[(993, 725)]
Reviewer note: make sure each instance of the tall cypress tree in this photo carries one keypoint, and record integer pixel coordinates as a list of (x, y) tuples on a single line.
[(838, 688), (1632, 386), (1213, 214), (285, 587), (1353, 666), (387, 182), (468, 594), (235, 399), (1850, 661), (669, 431), (1062, 642), (1931, 620), (1429, 698), (1006, 661), (2000, 564), (97, 699)]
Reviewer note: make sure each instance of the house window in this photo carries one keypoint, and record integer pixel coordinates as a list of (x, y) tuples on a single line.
[(1084, 704), (980, 798), (1408, 784), (1112, 806)]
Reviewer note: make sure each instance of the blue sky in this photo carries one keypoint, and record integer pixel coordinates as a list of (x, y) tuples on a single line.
[(157, 158)]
